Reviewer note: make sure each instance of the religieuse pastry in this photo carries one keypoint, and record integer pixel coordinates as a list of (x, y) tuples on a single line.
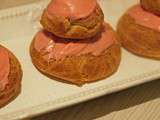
[(139, 32), (10, 76), (151, 5), (76, 19), (74, 60)]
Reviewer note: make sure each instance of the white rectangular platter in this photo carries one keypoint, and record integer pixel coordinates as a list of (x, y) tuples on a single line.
[(39, 93)]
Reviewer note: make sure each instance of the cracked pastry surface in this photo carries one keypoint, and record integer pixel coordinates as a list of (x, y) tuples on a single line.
[(77, 62), (82, 19)]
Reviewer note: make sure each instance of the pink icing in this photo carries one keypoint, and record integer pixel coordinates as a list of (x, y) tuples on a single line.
[(73, 9), (145, 18), (52, 47), (4, 68)]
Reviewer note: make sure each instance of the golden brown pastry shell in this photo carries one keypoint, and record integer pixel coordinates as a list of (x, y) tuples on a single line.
[(138, 39), (74, 29), (151, 5), (79, 69), (13, 88)]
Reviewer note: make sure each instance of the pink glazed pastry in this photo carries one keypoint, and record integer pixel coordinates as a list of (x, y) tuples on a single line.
[(76, 61), (73, 19), (139, 31), (4, 68), (10, 76)]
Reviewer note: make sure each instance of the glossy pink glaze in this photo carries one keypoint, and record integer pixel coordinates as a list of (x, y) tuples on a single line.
[(73, 9), (57, 48), (144, 18), (4, 68)]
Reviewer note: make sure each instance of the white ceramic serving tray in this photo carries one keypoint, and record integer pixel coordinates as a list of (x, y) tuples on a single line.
[(40, 94)]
